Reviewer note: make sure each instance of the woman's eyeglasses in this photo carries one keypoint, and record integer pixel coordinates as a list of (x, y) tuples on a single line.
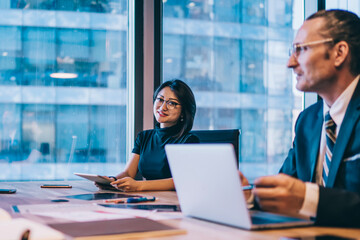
[(169, 103)]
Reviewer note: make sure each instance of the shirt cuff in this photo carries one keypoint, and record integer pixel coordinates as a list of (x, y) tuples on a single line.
[(250, 201), (311, 200)]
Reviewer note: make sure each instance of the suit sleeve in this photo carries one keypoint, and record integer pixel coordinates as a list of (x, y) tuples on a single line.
[(338, 207), (289, 165)]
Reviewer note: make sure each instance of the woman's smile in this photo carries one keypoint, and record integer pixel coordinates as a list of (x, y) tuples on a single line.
[(162, 114)]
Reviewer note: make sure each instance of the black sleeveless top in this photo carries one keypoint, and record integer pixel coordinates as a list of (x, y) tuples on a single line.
[(150, 145)]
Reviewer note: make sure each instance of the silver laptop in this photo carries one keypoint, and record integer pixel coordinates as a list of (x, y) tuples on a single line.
[(208, 187)]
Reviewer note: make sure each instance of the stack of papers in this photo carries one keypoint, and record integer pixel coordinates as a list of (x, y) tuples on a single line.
[(115, 229), (91, 221)]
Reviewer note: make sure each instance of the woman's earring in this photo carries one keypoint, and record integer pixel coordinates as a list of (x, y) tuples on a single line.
[(181, 119)]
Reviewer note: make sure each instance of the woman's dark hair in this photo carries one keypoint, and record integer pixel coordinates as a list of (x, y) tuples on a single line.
[(342, 25), (187, 101)]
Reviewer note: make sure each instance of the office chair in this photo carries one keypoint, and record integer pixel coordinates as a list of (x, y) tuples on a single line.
[(220, 136), (215, 136)]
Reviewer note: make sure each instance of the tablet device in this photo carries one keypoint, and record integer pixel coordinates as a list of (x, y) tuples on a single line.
[(157, 207), (319, 237), (98, 196), (95, 178)]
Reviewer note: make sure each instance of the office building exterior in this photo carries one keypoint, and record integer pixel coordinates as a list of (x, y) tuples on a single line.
[(64, 86)]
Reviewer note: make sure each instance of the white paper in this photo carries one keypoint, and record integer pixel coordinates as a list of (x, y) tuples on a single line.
[(15, 228), (92, 212), (79, 212), (4, 215)]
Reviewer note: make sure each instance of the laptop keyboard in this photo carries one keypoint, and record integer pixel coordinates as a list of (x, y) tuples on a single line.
[(258, 217), (265, 220)]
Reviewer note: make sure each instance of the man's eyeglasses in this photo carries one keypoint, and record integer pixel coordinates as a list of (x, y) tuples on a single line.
[(169, 104), (299, 48)]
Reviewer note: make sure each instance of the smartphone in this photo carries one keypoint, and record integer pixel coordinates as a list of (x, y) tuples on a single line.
[(56, 186), (7, 191)]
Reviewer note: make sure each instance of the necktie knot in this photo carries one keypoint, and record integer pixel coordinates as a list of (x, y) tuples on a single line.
[(330, 128), (328, 119)]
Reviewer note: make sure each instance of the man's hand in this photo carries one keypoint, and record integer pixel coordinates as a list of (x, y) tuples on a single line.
[(243, 179), (245, 182), (280, 193), (127, 184)]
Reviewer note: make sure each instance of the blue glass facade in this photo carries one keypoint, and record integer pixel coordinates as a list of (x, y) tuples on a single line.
[(53, 125), (232, 53)]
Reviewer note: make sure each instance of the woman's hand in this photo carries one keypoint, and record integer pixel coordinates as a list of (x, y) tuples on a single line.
[(104, 186), (127, 184)]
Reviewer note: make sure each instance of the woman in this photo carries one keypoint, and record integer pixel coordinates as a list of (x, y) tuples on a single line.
[(174, 110)]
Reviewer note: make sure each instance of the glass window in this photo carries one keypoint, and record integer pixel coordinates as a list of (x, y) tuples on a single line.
[(100, 6), (233, 54), (351, 5), (63, 106), (39, 59), (10, 55)]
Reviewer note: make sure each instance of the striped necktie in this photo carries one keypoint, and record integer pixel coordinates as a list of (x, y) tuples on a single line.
[(330, 128)]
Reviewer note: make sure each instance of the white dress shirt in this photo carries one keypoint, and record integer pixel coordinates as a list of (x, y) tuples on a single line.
[(337, 113)]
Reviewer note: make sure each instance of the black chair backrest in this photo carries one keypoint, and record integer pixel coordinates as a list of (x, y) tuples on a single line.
[(220, 136)]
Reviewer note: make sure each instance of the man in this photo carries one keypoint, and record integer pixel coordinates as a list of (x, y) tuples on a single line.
[(320, 178)]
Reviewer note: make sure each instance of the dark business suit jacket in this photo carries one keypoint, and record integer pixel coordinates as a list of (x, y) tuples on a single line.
[(339, 202)]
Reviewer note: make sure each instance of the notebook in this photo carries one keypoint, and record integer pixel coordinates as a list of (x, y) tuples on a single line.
[(208, 187), (125, 228)]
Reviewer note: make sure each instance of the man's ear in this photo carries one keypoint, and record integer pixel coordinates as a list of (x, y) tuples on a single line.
[(341, 53)]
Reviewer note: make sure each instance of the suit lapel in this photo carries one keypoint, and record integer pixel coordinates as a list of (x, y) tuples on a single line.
[(315, 139), (351, 117)]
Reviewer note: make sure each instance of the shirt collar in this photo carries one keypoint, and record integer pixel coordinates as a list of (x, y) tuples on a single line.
[(338, 109)]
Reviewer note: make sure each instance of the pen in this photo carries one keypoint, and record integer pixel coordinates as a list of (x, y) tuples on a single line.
[(248, 187), (130, 200), (118, 200)]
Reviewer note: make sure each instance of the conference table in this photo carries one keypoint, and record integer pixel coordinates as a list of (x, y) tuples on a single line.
[(32, 193)]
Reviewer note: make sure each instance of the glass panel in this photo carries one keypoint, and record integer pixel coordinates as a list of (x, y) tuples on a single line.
[(233, 54), (351, 5), (63, 101)]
